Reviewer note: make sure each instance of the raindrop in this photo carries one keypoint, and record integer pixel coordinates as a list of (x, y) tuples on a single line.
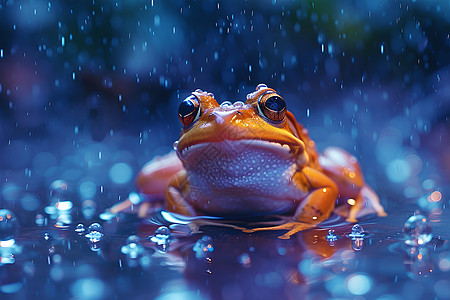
[(175, 145), (357, 231), (417, 230), (8, 225)]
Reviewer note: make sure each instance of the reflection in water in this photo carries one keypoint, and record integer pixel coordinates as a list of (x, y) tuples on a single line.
[(331, 237), (419, 262), (357, 243)]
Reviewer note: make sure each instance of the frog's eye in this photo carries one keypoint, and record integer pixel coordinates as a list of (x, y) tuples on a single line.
[(189, 110), (272, 106)]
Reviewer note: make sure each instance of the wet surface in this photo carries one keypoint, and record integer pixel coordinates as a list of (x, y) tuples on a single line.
[(221, 263), (89, 93)]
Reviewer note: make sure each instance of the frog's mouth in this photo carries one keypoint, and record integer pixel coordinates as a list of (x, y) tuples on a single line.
[(236, 147), (232, 160)]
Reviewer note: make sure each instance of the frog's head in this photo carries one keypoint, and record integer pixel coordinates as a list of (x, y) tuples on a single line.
[(261, 123)]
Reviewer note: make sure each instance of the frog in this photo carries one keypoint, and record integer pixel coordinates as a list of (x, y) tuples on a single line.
[(253, 159)]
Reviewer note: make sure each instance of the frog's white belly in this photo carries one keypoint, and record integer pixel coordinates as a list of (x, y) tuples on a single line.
[(244, 177)]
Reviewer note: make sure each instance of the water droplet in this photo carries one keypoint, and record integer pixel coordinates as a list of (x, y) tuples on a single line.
[(357, 231), (95, 232), (203, 247), (331, 237), (162, 232), (417, 230), (161, 238), (47, 236), (226, 104), (175, 146), (8, 224), (261, 86), (95, 227), (80, 229)]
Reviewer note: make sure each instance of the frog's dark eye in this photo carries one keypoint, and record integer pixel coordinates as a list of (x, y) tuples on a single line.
[(189, 110), (272, 106)]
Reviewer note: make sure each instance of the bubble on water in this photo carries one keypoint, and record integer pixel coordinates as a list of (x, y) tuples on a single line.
[(357, 231), (203, 247), (95, 227), (417, 231), (8, 224), (80, 229), (95, 232), (162, 232), (161, 238)]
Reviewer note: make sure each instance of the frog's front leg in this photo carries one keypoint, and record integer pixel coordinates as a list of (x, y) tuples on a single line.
[(175, 195), (315, 208)]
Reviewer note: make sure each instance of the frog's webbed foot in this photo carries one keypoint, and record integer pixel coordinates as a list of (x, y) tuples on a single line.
[(293, 227), (367, 202)]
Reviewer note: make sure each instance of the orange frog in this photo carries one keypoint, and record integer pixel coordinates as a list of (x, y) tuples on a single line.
[(253, 159)]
